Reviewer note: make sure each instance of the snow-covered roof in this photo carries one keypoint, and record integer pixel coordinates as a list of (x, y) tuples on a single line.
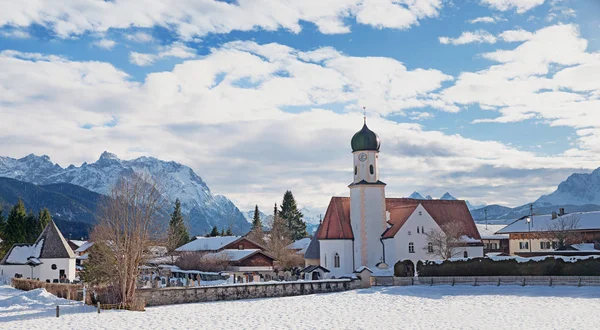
[(83, 257), (77, 242), (586, 221), (469, 239), (585, 247), (489, 231), (21, 253), (51, 244), (301, 245), (84, 247), (236, 255), (207, 243)]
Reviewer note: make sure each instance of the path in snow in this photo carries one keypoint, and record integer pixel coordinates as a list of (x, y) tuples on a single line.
[(416, 307)]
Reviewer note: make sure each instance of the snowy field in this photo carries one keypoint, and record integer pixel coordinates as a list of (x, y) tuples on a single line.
[(416, 307)]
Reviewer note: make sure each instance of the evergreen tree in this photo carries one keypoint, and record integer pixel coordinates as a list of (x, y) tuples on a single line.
[(293, 217), (15, 229), (228, 232), (178, 234), (2, 223), (256, 222), (32, 228), (44, 219), (214, 232), (222, 232)]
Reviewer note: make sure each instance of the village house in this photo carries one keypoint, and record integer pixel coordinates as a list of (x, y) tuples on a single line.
[(300, 246), (492, 241), (244, 256), (367, 229), (540, 234), (49, 259)]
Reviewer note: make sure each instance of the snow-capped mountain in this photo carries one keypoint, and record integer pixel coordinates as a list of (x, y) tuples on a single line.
[(578, 189), (446, 196), (177, 181)]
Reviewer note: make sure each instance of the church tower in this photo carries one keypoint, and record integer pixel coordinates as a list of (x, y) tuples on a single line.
[(367, 199)]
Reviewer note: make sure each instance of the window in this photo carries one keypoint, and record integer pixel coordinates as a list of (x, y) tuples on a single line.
[(523, 245), (409, 232), (355, 170), (420, 212), (336, 260), (430, 247), (417, 229), (411, 247), (422, 229), (545, 245), (53, 266), (325, 257), (554, 245), (240, 247), (465, 254), (371, 169)]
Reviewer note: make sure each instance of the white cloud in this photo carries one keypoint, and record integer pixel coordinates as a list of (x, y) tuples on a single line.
[(105, 43), (192, 18), (174, 50), (515, 35), (520, 6), (486, 19), (15, 34), (479, 36), (141, 37)]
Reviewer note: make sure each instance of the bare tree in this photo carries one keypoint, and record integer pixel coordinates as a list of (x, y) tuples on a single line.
[(206, 262), (445, 242), (563, 231), (277, 242), (127, 221)]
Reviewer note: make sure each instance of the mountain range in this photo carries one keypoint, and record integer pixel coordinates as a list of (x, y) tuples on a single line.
[(446, 196), (201, 208)]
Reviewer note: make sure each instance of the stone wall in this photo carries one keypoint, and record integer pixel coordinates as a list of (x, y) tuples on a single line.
[(178, 295)]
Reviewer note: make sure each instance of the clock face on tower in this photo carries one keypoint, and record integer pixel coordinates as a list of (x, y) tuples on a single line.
[(362, 157)]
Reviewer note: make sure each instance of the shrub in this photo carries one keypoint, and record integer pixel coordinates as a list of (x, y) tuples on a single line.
[(509, 267), (61, 290)]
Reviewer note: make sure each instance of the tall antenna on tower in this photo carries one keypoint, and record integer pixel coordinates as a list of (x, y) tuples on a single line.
[(365, 114)]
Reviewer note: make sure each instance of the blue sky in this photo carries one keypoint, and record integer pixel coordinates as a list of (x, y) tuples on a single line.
[(501, 89)]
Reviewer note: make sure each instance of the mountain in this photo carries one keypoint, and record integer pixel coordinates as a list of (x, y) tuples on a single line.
[(578, 189), (202, 208), (446, 196), (72, 207)]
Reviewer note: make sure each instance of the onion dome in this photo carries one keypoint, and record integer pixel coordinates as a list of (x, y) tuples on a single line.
[(365, 139)]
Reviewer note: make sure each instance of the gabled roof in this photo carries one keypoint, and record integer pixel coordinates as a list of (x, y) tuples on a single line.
[(51, 244), (301, 245), (312, 268), (202, 243), (84, 247), (336, 224), (540, 223), (489, 231), (239, 255)]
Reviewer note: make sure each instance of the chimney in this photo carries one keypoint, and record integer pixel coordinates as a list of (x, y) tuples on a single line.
[(561, 211), (554, 216)]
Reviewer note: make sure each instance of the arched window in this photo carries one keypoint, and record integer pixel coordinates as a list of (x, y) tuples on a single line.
[(325, 260), (411, 247), (355, 170), (430, 247), (422, 229), (371, 169), (336, 260), (417, 229), (466, 254)]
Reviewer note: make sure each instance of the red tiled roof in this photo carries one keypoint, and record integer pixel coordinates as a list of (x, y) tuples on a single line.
[(336, 224)]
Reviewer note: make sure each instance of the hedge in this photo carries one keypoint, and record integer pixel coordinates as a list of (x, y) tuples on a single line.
[(61, 290), (510, 267)]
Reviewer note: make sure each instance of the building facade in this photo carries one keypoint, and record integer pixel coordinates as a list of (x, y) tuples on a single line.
[(369, 230)]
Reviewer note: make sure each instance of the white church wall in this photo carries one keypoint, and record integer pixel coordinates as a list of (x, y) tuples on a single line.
[(343, 248), (47, 273), (11, 270), (362, 169), (412, 232), (367, 214)]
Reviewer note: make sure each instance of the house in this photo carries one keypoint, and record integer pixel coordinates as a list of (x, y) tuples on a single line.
[(368, 229), (49, 259), (493, 242), (244, 256), (300, 246), (75, 244), (540, 234)]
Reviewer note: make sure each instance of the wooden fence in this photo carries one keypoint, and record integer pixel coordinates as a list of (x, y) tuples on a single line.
[(487, 280)]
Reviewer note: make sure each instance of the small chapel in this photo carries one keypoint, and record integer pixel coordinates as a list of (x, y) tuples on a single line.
[(369, 230)]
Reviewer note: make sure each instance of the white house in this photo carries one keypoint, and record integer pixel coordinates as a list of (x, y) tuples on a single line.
[(49, 259), (368, 229)]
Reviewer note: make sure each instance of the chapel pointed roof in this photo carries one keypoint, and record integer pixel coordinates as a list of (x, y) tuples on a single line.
[(54, 243)]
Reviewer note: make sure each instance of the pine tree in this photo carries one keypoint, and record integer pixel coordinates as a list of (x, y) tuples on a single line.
[(214, 232), (256, 222), (32, 228), (228, 232), (293, 217), (178, 234), (222, 232), (15, 229), (44, 219), (2, 223)]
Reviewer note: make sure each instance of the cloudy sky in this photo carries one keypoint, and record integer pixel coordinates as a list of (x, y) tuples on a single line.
[(496, 101)]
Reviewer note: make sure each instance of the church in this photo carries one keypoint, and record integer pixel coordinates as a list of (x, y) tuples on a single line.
[(369, 230)]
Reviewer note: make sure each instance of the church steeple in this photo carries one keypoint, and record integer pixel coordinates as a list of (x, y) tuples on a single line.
[(365, 147)]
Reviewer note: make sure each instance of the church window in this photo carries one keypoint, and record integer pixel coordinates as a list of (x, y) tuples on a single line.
[(325, 257), (420, 213), (466, 254), (355, 170), (417, 229), (409, 232), (422, 229), (53, 266), (371, 169), (430, 247), (336, 260), (411, 247)]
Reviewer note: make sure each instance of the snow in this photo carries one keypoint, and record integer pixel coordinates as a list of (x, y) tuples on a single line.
[(587, 247), (586, 221), (236, 255), (208, 243), (301, 244), (20, 254), (414, 307), (489, 231), (84, 247), (77, 242)]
